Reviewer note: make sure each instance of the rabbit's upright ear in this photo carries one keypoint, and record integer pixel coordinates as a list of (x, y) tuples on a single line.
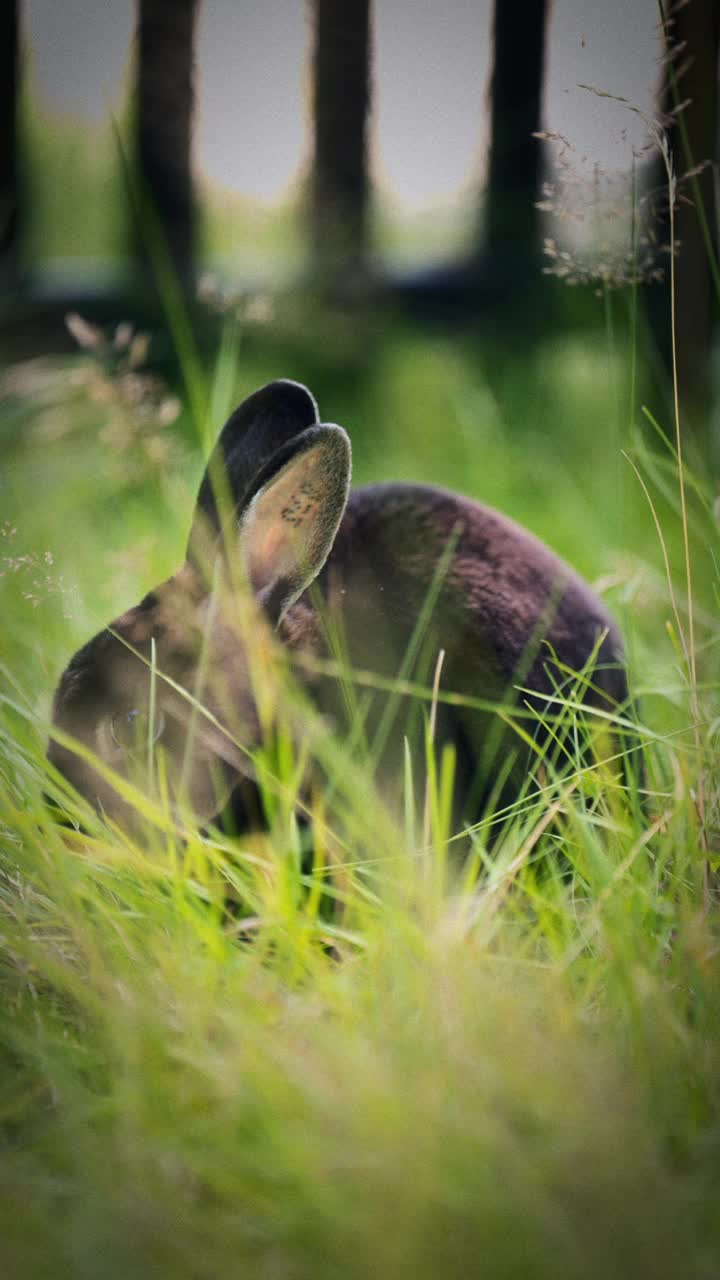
[(288, 525), (252, 435)]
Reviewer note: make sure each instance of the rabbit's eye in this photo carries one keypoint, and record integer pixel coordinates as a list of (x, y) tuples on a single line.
[(131, 731)]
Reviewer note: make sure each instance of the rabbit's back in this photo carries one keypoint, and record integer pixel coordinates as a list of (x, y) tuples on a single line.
[(495, 598)]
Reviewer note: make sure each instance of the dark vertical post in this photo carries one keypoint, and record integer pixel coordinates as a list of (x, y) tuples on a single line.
[(165, 40), (693, 30), (511, 220), (9, 182), (341, 102)]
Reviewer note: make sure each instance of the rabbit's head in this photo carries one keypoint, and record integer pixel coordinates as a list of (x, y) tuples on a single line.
[(168, 695)]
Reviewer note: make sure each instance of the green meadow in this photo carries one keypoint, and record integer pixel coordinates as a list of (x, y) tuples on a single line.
[(220, 1057)]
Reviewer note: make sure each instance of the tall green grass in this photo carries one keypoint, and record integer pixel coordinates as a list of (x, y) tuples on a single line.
[(218, 1056)]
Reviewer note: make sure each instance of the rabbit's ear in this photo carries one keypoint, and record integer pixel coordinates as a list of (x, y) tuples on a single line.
[(261, 425), (288, 527)]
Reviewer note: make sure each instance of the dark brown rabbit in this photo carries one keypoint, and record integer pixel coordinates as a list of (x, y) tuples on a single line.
[(380, 580)]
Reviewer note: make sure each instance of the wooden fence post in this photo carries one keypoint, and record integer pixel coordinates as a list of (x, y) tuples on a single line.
[(164, 86), (511, 221), (693, 30), (9, 179), (339, 185)]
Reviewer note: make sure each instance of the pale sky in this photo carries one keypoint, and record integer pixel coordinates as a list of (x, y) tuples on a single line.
[(431, 78)]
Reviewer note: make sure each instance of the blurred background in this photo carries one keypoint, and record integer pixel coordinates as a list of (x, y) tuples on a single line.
[(426, 117), (363, 148), (453, 222)]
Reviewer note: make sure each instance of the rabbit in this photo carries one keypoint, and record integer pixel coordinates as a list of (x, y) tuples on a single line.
[(388, 575)]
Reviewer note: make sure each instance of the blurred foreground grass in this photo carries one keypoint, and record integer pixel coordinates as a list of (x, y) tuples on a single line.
[(509, 1073)]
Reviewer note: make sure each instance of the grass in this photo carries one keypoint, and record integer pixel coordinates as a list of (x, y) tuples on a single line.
[(415, 1066)]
